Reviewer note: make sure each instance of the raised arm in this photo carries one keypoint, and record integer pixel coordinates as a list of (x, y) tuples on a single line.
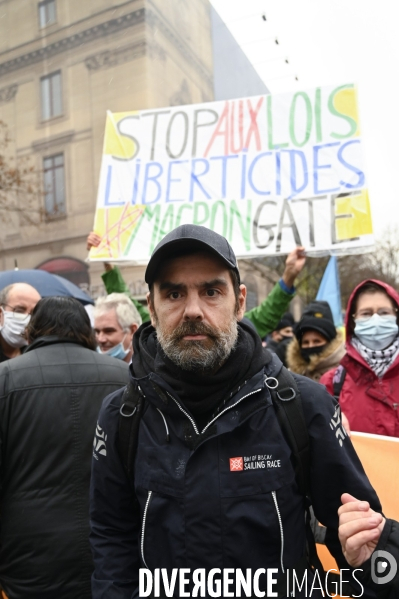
[(267, 315), (113, 280)]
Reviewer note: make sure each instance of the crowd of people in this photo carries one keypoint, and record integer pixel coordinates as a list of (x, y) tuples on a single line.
[(171, 393)]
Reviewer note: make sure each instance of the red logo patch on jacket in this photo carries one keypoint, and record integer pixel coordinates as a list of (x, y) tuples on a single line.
[(236, 464)]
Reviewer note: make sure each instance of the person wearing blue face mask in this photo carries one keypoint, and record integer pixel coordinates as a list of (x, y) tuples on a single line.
[(367, 380), (115, 321)]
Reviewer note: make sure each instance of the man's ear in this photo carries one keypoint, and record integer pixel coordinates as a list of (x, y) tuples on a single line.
[(151, 309), (133, 328), (241, 300)]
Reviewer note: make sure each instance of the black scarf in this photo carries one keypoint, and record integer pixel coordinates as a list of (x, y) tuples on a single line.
[(201, 394)]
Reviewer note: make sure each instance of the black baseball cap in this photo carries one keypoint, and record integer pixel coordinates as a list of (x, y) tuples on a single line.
[(188, 238)]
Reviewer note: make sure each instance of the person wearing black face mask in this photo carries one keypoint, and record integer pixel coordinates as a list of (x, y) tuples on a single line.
[(281, 337), (318, 346)]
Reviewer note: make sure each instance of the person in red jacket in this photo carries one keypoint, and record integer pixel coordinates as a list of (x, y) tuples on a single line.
[(368, 375)]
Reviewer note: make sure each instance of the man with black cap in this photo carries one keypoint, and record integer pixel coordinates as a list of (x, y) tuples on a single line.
[(205, 483)]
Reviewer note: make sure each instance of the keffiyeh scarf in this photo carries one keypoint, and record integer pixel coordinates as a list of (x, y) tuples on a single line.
[(379, 360)]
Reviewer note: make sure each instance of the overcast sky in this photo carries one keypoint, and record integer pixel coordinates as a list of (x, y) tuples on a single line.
[(344, 41)]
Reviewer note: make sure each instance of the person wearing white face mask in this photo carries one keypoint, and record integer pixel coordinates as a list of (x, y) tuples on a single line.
[(16, 304), (116, 320), (367, 380)]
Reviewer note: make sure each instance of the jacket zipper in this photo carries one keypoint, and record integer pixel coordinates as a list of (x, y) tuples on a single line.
[(230, 408), (166, 426), (281, 530), (184, 412), (143, 527), (217, 416), (273, 492)]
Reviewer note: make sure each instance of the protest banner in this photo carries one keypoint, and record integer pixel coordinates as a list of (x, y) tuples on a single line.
[(267, 172), (380, 459)]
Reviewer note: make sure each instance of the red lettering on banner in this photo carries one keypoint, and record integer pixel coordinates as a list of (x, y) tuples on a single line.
[(219, 131), (233, 149), (253, 128)]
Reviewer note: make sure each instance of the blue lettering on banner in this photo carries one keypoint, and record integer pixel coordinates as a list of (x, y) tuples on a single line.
[(224, 160), (250, 171), (260, 175), (194, 177), (136, 181), (293, 172), (278, 174), (351, 167), (170, 180), (317, 167), (154, 179), (108, 190)]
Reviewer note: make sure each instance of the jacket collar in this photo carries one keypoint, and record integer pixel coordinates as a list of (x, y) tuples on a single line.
[(163, 397), (49, 340)]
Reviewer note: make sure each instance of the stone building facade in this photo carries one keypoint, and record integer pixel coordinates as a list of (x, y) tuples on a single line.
[(63, 64)]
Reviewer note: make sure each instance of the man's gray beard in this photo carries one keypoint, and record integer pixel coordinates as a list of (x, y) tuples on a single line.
[(197, 356)]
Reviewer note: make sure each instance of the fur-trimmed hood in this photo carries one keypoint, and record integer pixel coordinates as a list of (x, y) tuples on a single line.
[(329, 358)]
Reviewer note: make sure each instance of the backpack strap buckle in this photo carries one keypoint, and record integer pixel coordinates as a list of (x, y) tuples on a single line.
[(273, 380), (130, 414), (292, 394)]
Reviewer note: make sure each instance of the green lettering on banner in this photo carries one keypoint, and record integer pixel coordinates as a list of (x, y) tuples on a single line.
[(197, 220), (215, 207), (317, 114), (243, 222), (308, 128), (167, 222), (149, 213), (352, 123), (272, 146), (180, 212)]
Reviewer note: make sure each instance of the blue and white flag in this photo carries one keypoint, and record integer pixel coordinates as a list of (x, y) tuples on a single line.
[(330, 291)]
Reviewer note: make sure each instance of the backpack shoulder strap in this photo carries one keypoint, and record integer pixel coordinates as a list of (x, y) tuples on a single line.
[(287, 402), (129, 420), (338, 381)]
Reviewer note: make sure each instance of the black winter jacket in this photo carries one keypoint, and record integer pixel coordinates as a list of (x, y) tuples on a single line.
[(385, 582), (224, 497), (49, 401)]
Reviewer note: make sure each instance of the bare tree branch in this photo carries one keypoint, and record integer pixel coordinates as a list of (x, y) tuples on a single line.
[(20, 192)]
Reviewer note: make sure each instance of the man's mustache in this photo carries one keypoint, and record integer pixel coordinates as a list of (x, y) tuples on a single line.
[(194, 328)]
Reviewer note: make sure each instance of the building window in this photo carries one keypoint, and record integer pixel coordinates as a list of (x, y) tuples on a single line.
[(47, 13), (54, 186), (51, 95)]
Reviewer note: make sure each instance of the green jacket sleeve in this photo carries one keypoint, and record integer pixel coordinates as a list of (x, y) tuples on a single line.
[(114, 283), (266, 316)]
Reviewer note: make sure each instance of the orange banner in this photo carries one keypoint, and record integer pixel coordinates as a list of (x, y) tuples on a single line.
[(380, 459)]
